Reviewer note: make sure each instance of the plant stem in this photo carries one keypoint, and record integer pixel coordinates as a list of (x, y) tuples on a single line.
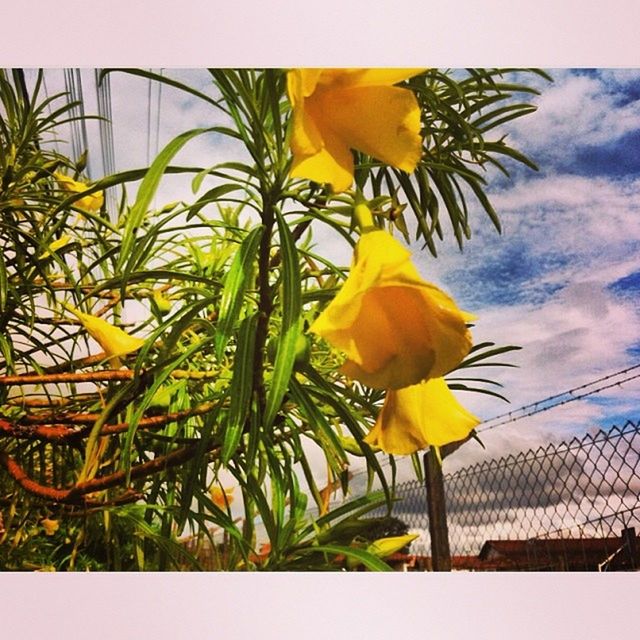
[(265, 304)]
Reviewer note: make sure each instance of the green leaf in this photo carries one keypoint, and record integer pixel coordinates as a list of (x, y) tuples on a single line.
[(197, 465), (241, 386), (363, 557), (137, 411), (235, 286), (172, 548), (148, 189), (212, 195), (4, 286), (291, 323), (478, 358), (320, 426)]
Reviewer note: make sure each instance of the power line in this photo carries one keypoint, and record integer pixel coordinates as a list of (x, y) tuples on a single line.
[(149, 120), (103, 93), (79, 138)]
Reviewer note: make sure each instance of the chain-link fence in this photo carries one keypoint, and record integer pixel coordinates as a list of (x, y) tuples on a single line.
[(583, 489)]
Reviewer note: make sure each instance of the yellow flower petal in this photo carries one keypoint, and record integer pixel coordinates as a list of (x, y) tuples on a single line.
[(394, 328), (420, 416), (91, 202), (383, 122), (50, 526), (384, 547), (62, 241), (355, 77), (332, 163), (221, 497), (114, 341), (335, 110), (382, 77)]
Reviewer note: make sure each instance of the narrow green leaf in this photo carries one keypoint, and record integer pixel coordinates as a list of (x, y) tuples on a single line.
[(364, 557), (148, 189), (212, 195), (4, 285), (319, 424), (291, 322), (235, 286), (143, 402), (190, 482), (241, 387), (485, 355)]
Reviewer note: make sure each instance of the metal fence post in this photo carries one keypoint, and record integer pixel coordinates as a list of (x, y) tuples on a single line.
[(436, 508), (629, 540)]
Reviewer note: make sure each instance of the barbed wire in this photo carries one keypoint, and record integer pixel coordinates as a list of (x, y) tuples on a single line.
[(535, 407)]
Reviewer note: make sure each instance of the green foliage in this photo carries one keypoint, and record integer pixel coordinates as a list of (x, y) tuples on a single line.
[(124, 461)]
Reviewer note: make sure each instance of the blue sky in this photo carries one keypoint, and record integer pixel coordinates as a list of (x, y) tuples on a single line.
[(562, 280)]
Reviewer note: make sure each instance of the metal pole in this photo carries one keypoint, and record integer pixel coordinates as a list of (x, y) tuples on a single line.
[(629, 540), (436, 509)]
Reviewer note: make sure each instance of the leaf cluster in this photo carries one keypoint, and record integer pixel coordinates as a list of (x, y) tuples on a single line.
[(228, 388)]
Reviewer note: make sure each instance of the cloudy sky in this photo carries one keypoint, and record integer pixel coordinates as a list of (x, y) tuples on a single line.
[(561, 281)]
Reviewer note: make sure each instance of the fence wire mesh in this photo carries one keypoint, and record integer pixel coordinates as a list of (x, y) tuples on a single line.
[(585, 488)]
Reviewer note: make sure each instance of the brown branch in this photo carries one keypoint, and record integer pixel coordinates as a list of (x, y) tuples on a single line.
[(47, 403), (75, 495), (93, 506), (96, 376), (79, 363), (58, 429), (90, 418), (31, 486), (48, 433), (61, 378)]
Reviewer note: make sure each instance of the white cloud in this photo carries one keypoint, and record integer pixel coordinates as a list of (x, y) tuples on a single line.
[(577, 110)]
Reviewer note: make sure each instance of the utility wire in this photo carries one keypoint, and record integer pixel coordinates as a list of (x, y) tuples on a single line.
[(103, 93), (149, 121), (49, 108), (79, 138)]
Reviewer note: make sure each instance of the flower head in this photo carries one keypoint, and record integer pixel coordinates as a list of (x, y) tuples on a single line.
[(394, 328), (335, 110), (220, 496), (50, 526), (384, 547), (419, 416), (114, 341), (62, 241), (91, 202)]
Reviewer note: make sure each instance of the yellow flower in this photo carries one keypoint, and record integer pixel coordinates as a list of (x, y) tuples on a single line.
[(91, 202), (384, 547), (163, 303), (395, 328), (420, 416), (49, 526), (55, 245), (114, 341), (221, 497), (335, 110)]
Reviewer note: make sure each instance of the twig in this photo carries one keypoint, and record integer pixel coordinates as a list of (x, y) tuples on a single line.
[(53, 428), (75, 494), (95, 376)]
